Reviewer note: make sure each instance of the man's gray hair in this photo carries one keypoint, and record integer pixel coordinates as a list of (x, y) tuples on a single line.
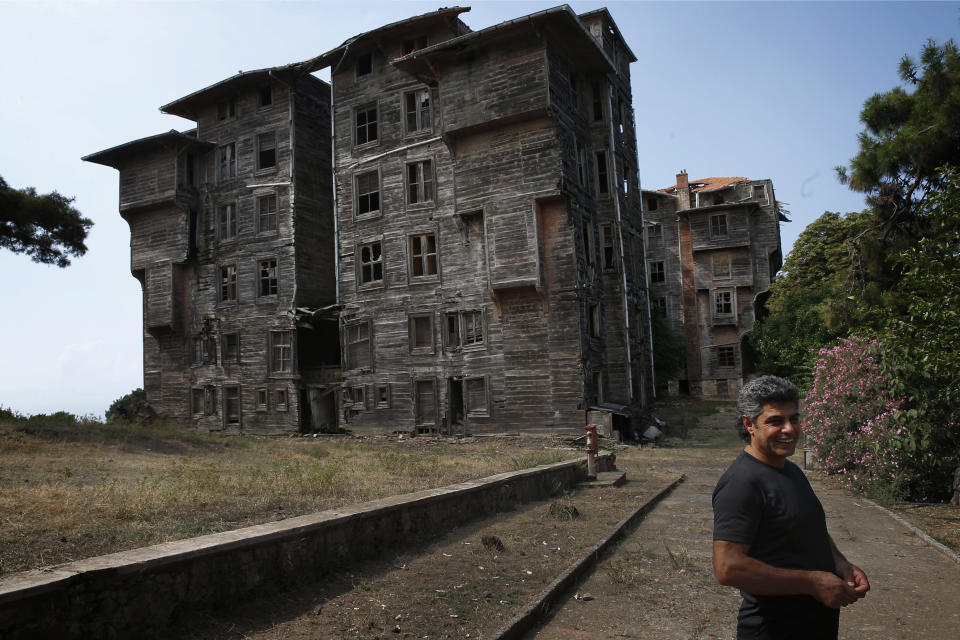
[(761, 391)]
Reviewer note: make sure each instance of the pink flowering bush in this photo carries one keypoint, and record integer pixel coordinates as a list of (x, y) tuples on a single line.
[(853, 422)]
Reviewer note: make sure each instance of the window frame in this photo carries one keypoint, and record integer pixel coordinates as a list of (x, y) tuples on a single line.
[(227, 222), (469, 410), (423, 122), (361, 59), (272, 282), (366, 108), (413, 320), (721, 259), (281, 350), (227, 161), (593, 320), (603, 173), (723, 298), (228, 353), (729, 360), (420, 182), (228, 290), (269, 215), (382, 399), (371, 264), (656, 271), (263, 399), (281, 399), (719, 227), (265, 90), (653, 239), (350, 340), (423, 257), (259, 150), (458, 320), (227, 109), (357, 195), (608, 254), (228, 398)]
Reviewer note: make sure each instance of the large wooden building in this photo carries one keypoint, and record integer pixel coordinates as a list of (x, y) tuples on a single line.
[(482, 221), (232, 240), (713, 249), (490, 230)]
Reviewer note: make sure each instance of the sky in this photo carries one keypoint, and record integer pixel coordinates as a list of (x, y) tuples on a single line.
[(754, 89)]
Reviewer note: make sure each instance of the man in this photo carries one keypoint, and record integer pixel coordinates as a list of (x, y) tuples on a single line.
[(770, 534)]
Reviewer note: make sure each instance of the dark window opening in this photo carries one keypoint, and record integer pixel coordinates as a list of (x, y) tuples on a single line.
[(364, 64)]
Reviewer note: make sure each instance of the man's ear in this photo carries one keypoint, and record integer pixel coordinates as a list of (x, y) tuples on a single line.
[(747, 424)]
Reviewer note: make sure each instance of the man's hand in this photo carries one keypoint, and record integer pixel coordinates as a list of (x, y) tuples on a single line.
[(833, 591), (853, 574)]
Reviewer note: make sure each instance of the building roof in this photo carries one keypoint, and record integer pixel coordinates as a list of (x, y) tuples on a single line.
[(332, 57), (707, 184), (613, 24), (186, 107), (171, 141)]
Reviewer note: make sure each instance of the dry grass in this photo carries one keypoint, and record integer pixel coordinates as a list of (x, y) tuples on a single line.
[(74, 491)]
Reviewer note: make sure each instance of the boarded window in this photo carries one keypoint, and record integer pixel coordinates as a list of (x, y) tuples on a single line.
[(371, 262), (267, 213), (476, 397), (358, 345), (266, 150), (421, 332), (368, 192), (420, 182), (269, 282), (416, 106), (720, 265), (227, 222), (231, 404), (281, 352), (366, 124), (423, 255), (228, 283)]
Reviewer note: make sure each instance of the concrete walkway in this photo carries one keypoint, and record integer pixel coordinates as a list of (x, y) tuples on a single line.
[(659, 584)]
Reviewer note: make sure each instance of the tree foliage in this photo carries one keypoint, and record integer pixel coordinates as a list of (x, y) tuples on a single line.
[(908, 136), (669, 348), (45, 227)]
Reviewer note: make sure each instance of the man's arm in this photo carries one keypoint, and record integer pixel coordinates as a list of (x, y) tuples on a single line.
[(853, 574), (733, 567)]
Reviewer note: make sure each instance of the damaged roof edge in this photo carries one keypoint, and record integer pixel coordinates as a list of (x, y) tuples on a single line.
[(560, 10), (616, 29), (327, 58), (109, 157)]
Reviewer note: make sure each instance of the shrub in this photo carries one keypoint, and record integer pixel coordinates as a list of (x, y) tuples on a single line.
[(132, 407)]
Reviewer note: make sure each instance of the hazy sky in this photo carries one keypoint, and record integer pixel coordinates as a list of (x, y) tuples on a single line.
[(762, 90)]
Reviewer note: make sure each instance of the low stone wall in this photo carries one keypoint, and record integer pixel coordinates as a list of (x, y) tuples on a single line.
[(138, 593)]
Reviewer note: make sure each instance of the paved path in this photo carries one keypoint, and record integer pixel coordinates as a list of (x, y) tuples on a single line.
[(659, 584)]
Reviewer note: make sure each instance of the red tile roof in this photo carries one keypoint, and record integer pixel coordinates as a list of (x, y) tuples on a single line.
[(707, 184)]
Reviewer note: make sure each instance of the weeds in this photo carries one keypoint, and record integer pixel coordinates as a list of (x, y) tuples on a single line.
[(537, 458), (679, 560)]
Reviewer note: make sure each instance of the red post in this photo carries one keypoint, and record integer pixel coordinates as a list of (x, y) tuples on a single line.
[(592, 450)]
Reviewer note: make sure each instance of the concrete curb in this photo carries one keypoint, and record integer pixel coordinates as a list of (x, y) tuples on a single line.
[(546, 599), (947, 551)]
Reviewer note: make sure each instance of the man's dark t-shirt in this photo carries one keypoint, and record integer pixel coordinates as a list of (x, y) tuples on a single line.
[(776, 512)]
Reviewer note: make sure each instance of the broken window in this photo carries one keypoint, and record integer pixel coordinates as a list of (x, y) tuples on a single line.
[(423, 255), (476, 397), (606, 240), (231, 404), (417, 113), (280, 399), (267, 150), (660, 304), (723, 303), (204, 350), (371, 262), (228, 283), (368, 192), (383, 396), (267, 213), (603, 177), (464, 329), (358, 345), (593, 319), (227, 221), (266, 96), (210, 401), (227, 109), (652, 203), (364, 64), (726, 357), (657, 272), (268, 277), (760, 192), (597, 101), (654, 235), (227, 161), (718, 225), (420, 182), (413, 44), (261, 399), (281, 352), (421, 333), (365, 121), (230, 347), (721, 265)]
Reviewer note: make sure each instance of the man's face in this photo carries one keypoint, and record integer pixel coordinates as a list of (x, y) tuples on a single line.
[(774, 435)]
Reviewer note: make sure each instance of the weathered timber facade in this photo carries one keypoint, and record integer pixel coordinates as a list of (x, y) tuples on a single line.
[(491, 271), (713, 248), (232, 240)]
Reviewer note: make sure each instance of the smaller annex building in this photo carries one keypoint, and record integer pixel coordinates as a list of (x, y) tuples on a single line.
[(712, 251)]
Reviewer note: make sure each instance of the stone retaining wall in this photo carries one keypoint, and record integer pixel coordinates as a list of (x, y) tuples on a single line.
[(138, 593)]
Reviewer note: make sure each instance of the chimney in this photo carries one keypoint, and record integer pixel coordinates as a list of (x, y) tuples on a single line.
[(683, 190)]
